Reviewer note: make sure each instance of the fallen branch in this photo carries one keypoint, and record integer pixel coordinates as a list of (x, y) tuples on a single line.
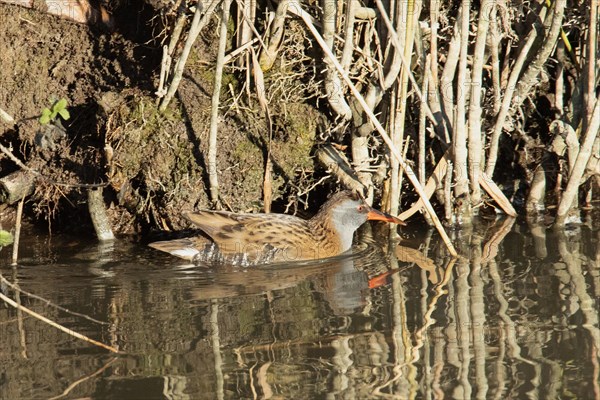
[(438, 175), (495, 193), (434, 180), (16, 186)]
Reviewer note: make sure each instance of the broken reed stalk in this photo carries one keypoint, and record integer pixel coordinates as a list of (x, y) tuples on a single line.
[(386, 138), (214, 112), (100, 220), (56, 325), (201, 18), (585, 152), (15, 253)]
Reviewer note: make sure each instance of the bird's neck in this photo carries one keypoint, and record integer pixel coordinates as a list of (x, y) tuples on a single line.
[(327, 226)]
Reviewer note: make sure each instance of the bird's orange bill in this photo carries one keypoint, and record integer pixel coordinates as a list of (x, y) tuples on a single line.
[(376, 215)]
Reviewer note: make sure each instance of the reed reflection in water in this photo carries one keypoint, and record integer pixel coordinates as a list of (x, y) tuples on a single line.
[(516, 316)]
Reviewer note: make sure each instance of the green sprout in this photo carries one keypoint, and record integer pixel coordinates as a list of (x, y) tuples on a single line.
[(58, 108), (6, 238)]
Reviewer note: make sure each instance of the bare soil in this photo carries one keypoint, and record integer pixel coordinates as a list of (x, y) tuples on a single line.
[(151, 164)]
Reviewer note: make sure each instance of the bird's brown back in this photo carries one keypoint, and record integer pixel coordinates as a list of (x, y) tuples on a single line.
[(266, 237)]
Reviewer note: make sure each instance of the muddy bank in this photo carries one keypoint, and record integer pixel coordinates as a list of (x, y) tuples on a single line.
[(150, 165)]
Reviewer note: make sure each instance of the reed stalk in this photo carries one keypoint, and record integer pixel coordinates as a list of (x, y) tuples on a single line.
[(214, 115), (459, 143), (386, 138), (475, 128), (576, 173)]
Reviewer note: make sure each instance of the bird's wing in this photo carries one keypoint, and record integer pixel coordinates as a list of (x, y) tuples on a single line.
[(253, 233)]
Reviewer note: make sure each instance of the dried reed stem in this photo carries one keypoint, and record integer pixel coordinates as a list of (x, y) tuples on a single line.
[(575, 174), (214, 112), (388, 141), (459, 142), (591, 60), (397, 133), (475, 133)]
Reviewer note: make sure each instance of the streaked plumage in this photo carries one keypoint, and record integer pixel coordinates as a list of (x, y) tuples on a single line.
[(249, 239)]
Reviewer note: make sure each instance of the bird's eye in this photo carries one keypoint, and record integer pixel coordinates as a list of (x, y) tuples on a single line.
[(361, 208)]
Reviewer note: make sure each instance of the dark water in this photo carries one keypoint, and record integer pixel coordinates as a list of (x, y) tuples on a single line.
[(516, 317)]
